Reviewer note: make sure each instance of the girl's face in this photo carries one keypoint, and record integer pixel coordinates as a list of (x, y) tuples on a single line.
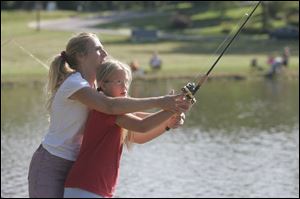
[(117, 85)]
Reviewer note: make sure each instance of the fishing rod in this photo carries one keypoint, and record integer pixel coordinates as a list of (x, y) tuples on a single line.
[(191, 88)]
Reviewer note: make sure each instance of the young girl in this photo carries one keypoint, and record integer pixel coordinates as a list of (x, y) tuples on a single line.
[(72, 93), (96, 170)]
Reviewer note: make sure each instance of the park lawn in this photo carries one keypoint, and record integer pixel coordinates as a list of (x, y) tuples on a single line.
[(180, 58)]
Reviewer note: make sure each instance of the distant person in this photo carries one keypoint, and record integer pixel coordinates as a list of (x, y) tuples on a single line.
[(134, 65), (135, 68), (276, 67), (277, 64), (270, 60), (285, 56), (155, 62), (254, 65), (96, 170)]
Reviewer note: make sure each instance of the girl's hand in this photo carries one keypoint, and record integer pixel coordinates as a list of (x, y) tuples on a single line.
[(176, 121)]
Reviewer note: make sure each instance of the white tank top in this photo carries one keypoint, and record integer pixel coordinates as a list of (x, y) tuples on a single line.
[(67, 120)]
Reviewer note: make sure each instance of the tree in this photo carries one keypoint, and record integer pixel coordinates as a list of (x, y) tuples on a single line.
[(266, 25)]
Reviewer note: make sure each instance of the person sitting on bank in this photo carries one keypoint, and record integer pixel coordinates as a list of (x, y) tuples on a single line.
[(155, 62), (254, 65)]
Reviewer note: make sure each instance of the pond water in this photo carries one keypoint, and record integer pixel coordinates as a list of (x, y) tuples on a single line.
[(241, 139)]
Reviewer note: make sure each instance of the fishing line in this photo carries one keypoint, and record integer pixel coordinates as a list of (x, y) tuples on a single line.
[(229, 35), (191, 88), (30, 54), (26, 51), (223, 42), (6, 42)]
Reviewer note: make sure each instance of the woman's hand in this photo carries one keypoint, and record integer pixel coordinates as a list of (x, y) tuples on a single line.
[(176, 103)]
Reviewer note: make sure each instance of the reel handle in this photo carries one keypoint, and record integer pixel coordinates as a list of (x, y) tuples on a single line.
[(189, 91)]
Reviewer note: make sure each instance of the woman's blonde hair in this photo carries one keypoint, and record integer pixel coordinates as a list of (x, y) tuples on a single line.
[(66, 63), (104, 72)]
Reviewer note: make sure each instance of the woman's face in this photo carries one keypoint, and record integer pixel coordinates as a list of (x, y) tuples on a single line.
[(96, 53), (117, 85)]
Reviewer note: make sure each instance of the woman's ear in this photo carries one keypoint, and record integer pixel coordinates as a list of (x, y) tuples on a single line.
[(101, 86), (80, 57)]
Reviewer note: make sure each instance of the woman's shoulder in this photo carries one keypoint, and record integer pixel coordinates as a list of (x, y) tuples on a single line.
[(72, 83), (75, 78)]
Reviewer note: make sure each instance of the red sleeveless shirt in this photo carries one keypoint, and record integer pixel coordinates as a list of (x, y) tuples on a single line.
[(97, 167)]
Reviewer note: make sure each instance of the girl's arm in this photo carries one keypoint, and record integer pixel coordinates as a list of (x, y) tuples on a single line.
[(120, 105), (173, 122), (134, 123), (141, 138)]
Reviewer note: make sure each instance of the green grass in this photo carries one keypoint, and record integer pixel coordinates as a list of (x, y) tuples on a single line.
[(179, 57), (205, 21)]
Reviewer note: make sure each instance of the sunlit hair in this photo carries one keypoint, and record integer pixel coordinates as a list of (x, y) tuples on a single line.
[(66, 62), (104, 72), (107, 68)]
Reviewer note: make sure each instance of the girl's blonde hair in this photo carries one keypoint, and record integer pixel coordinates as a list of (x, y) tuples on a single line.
[(104, 72), (108, 67), (66, 63)]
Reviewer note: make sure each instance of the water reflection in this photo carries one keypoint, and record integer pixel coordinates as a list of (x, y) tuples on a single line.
[(192, 163), (246, 104), (240, 140)]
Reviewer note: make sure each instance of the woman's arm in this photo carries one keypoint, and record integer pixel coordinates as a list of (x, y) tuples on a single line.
[(120, 105), (134, 123), (142, 114)]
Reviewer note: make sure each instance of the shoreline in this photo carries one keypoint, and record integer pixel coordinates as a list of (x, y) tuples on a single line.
[(37, 82)]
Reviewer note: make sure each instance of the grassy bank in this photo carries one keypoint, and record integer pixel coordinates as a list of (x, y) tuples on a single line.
[(180, 58)]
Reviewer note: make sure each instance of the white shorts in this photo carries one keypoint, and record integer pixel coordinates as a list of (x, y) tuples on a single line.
[(79, 193)]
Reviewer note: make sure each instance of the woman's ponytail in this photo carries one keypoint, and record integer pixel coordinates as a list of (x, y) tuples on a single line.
[(59, 70)]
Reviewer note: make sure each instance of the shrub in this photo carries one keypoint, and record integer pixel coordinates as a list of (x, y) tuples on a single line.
[(180, 21)]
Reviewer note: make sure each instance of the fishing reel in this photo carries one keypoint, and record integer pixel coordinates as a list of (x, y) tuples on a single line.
[(189, 91)]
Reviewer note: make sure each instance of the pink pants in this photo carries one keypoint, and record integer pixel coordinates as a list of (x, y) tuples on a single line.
[(47, 174)]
